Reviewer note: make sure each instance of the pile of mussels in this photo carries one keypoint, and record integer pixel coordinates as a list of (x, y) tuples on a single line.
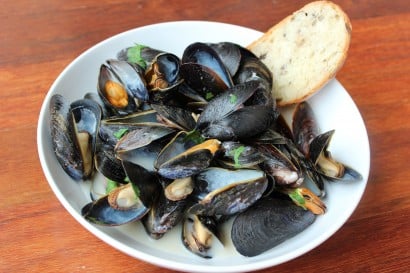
[(195, 141)]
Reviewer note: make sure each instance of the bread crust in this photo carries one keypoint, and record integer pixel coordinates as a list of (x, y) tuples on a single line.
[(305, 50)]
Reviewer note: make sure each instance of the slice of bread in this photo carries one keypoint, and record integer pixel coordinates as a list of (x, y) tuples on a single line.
[(305, 50)]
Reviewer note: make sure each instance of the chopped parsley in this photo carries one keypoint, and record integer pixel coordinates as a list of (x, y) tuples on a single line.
[(209, 95), (194, 136), (134, 55), (120, 133), (236, 153), (110, 186), (297, 197), (233, 98)]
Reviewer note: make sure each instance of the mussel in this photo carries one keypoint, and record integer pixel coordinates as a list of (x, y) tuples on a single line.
[(200, 235), (268, 223), (220, 191), (73, 131)]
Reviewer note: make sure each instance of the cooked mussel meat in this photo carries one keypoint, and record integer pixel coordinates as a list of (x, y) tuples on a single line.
[(200, 235), (327, 165), (119, 207)]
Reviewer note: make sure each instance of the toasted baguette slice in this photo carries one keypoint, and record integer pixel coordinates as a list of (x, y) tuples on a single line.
[(305, 50)]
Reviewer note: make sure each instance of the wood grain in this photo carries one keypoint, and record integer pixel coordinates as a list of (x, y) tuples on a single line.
[(39, 38)]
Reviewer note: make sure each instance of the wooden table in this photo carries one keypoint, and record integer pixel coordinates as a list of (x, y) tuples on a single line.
[(39, 38)]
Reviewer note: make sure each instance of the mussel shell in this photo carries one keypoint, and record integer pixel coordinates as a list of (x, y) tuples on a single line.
[(318, 152), (243, 123), (108, 164), (200, 235), (266, 224), (163, 73), (175, 116), (146, 181), (279, 166), (164, 215), (144, 156), (205, 55), (230, 55), (203, 80), (226, 103), (304, 127), (253, 68), (177, 145), (61, 137), (140, 137), (139, 54), (101, 212), (189, 162), (132, 78), (319, 144), (85, 116), (221, 191), (238, 155)]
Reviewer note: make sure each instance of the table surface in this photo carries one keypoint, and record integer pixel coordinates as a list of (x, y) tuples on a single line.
[(39, 38)]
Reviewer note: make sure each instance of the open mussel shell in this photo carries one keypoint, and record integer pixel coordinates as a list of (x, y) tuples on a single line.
[(230, 55), (238, 155), (114, 93), (140, 137), (119, 207), (304, 127), (200, 235), (73, 132), (204, 71), (179, 189), (252, 68), (183, 157), (279, 166), (175, 117), (144, 180), (269, 222), (132, 77), (326, 164), (163, 77), (164, 214), (220, 191), (85, 116)]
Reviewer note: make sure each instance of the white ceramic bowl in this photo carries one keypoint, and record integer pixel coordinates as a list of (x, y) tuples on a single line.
[(333, 106)]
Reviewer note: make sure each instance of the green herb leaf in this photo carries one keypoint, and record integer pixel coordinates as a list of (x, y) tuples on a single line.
[(120, 133), (134, 55), (110, 186), (236, 153), (233, 98), (209, 95), (136, 189), (194, 136), (297, 197)]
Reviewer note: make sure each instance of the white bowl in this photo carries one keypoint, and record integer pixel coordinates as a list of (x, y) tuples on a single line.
[(333, 106)]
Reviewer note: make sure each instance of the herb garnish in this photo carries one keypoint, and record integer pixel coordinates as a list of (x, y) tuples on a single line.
[(134, 55), (236, 153), (120, 133)]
